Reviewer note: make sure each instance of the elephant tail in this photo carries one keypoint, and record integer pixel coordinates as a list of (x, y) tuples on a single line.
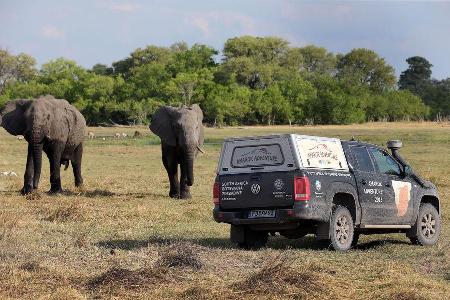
[(66, 165)]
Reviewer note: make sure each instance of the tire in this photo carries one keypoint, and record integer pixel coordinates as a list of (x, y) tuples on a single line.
[(427, 228), (341, 229), (253, 240)]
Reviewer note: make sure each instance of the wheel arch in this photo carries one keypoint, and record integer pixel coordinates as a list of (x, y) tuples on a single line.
[(433, 200), (345, 195)]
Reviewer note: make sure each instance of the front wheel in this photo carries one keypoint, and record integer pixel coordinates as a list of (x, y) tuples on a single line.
[(341, 229), (427, 228)]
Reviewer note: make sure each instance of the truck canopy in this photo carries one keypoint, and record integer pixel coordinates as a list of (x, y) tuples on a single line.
[(285, 152)]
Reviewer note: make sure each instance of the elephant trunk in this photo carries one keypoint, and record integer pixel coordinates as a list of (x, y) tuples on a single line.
[(189, 161)]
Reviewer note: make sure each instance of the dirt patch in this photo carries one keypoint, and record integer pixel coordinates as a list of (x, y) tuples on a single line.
[(31, 266), (63, 213), (279, 278), (129, 279), (406, 295), (179, 255)]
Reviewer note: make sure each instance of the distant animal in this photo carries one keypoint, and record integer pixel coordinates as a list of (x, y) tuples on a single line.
[(91, 135), (137, 134), (181, 133), (104, 139), (20, 137), (117, 135), (124, 135), (50, 125)]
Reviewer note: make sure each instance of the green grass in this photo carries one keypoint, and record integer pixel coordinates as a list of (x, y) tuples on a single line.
[(121, 236)]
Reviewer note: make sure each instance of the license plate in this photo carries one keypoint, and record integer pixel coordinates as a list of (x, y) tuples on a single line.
[(263, 213)]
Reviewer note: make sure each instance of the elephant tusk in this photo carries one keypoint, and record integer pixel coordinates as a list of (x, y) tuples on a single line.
[(201, 150)]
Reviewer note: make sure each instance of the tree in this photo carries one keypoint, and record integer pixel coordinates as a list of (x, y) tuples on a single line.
[(318, 60), (417, 76), (64, 79), (364, 67), (261, 50), (15, 68), (101, 69)]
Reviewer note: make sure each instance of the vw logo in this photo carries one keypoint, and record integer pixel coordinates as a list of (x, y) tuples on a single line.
[(255, 188)]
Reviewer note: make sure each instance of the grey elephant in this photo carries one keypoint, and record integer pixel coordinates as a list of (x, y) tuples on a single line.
[(182, 134), (50, 125)]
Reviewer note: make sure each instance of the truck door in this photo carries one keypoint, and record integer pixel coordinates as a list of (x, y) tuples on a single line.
[(371, 188), (397, 190)]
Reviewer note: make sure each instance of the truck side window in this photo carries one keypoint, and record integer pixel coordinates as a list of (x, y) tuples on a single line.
[(363, 159), (385, 163)]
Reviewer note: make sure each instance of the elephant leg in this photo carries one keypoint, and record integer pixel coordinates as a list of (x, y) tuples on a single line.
[(37, 163), (185, 191), (76, 165), (28, 184), (170, 163), (54, 156)]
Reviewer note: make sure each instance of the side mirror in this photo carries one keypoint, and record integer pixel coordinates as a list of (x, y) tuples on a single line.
[(407, 170)]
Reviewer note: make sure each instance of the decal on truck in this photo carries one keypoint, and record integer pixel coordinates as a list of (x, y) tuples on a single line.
[(319, 153), (402, 191), (231, 189), (254, 156)]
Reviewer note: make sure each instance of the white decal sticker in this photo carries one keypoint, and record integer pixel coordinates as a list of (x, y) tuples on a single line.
[(231, 189), (318, 185), (402, 191), (278, 184)]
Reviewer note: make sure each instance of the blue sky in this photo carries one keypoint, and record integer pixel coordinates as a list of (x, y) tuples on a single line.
[(101, 31)]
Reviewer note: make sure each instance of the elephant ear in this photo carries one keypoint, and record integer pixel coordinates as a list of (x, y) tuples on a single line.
[(162, 125), (199, 112), (13, 117)]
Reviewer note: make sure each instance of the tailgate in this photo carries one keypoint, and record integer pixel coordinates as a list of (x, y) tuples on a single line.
[(256, 190)]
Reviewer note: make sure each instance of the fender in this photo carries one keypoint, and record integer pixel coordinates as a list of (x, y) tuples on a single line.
[(420, 195), (345, 188)]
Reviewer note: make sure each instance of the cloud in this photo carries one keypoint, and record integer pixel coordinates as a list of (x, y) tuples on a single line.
[(51, 32), (124, 7), (213, 22), (202, 24)]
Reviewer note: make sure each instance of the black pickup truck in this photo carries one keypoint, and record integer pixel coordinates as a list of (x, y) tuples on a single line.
[(296, 185)]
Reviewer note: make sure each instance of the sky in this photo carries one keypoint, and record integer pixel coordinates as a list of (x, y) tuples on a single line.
[(102, 31)]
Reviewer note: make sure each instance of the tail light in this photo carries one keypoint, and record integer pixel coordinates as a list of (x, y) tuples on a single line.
[(216, 193), (302, 190)]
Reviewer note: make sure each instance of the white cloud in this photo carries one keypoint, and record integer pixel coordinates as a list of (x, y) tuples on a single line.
[(124, 7), (202, 24), (51, 32), (215, 21)]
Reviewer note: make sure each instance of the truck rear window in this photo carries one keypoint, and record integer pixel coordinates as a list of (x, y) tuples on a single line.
[(256, 156)]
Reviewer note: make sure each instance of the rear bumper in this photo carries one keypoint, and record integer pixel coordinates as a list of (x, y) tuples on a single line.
[(300, 211)]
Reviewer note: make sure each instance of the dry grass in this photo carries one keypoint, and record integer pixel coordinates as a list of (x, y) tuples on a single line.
[(121, 236)]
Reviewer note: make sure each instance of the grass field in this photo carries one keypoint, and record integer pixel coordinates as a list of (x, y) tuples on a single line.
[(122, 237)]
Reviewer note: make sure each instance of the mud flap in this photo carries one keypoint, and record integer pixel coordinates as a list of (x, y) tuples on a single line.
[(237, 234), (323, 231)]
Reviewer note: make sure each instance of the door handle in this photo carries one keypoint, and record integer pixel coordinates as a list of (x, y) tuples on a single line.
[(363, 181)]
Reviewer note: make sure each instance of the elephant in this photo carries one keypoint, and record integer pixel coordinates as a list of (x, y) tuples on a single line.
[(50, 125), (182, 134)]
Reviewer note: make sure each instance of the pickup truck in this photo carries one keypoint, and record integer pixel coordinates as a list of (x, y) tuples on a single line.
[(296, 185)]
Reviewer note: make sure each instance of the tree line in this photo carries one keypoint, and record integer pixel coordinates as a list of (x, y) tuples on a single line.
[(256, 80)]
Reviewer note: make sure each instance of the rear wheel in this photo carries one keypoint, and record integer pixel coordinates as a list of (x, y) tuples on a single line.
[(341, 229), (427, 228)]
